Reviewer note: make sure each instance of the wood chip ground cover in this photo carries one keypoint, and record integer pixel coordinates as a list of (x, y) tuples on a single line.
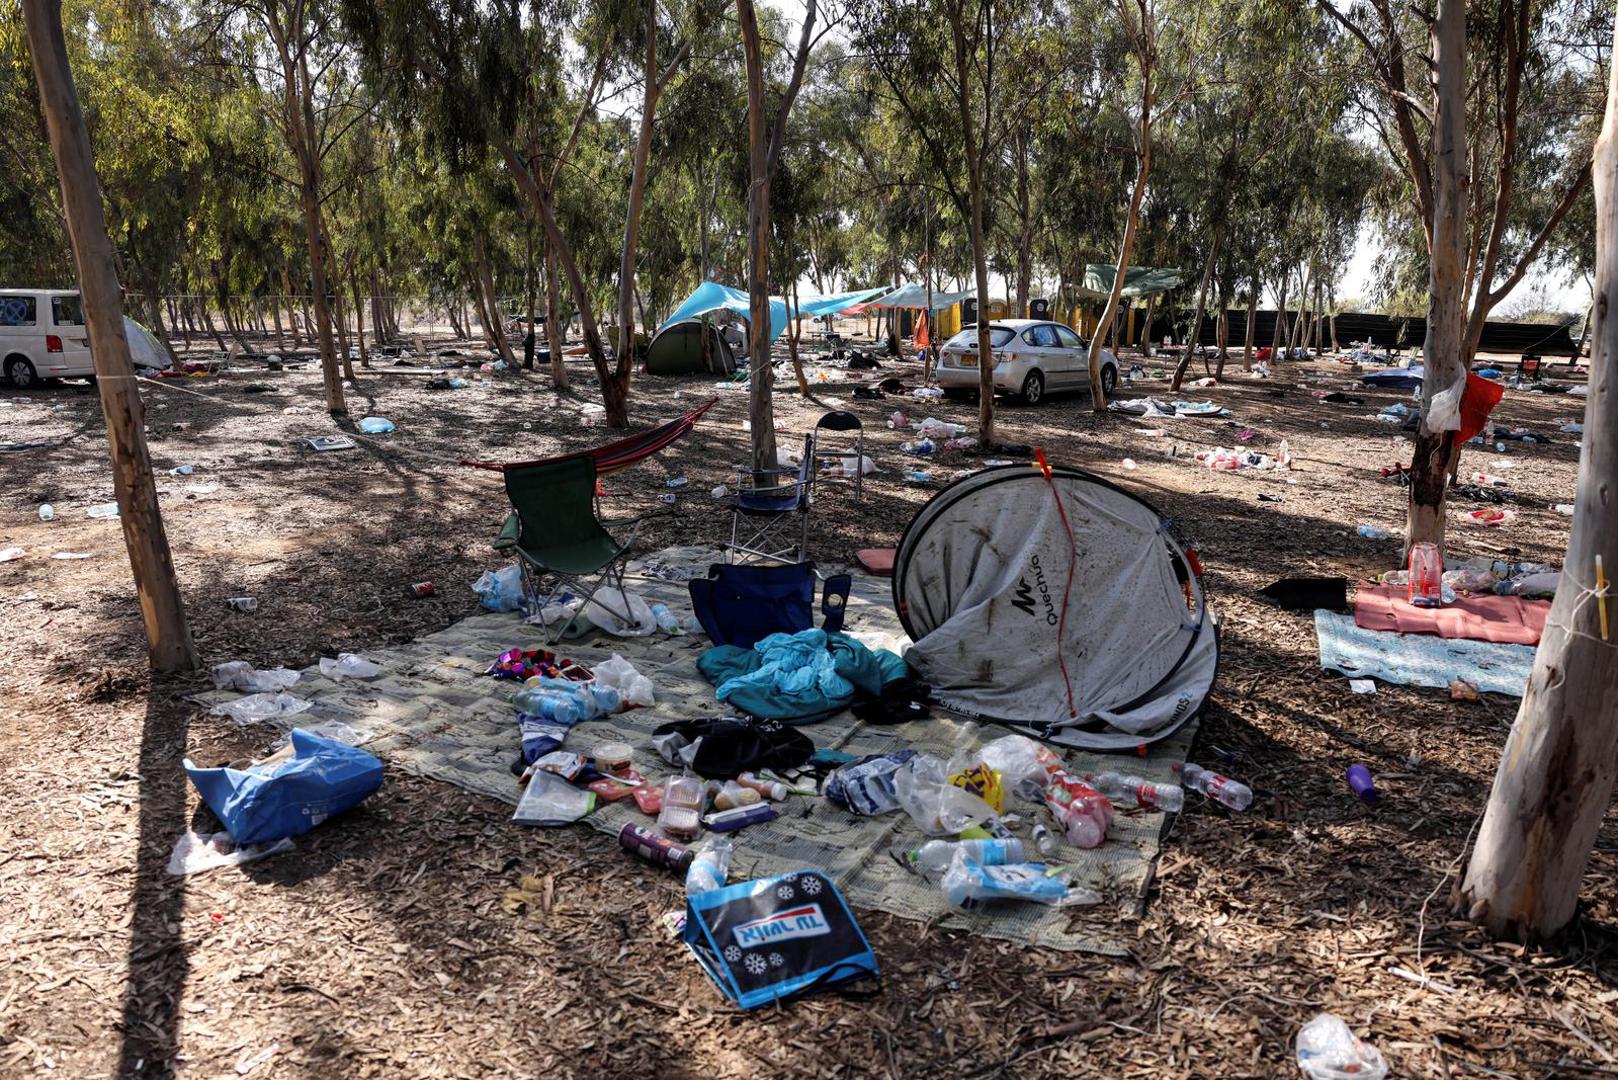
[(425, 936)]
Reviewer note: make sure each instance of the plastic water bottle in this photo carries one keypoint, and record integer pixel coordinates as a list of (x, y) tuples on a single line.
[(1371, 532), (1045, 840), (710, 868), (549, 705), (934, 856), (667, 621), (47, 512), (1132, 789), (1221, 789)]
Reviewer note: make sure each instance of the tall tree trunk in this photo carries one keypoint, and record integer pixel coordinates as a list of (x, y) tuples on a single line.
[(359, 317), (340, 325), (794, 332), (1143, 170), (1144, 342), (1443, 353), (1251, 327), (1555, 780), (1280, 319), (497, 323), (1193, 341), (555, 329), (531, 338), (760, 373), (168, 636)]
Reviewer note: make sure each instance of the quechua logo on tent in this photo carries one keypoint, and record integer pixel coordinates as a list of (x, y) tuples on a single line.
[(1023, 595)]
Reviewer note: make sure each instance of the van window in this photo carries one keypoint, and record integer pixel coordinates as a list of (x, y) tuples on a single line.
[(17, 311), (67, 311)]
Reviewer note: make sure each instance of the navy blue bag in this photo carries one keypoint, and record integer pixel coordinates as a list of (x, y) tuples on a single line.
[(742, 605), (774, 938), (323, 777)]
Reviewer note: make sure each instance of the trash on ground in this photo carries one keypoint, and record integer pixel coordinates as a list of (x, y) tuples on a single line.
[(242, 603), (1230, 459), (102, 511), (242, 676), (1362, 686), (258, 707), (71, 555), (633, 687), (349, 666), (376, 425), (1373, 532), (1461, 690), (1490, 516), (1362, 783), (550, 800), (287, 796), (330, 442), (196, 852), (771, 939), (500, 590), (10, 554), (1328, 1050), (1221, 789)]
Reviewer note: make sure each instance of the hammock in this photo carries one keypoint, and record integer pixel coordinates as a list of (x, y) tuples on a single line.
[(621, 454)]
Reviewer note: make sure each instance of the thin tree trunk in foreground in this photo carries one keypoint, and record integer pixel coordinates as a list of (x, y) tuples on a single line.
[(1442, 354), (555, 332), (1143, 159), (1555, 780), (359, 317), (1251, 328), (1192, 342), (168, 637)]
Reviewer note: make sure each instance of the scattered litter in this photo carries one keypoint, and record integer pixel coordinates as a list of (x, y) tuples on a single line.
[(938, 429), (376, 425), (1362, 783), (1129, 463), (255, 708), (720, 492), (330, 442), (1231, 459), (10, 554), (899, 421), (918, 476), (1328, 1050), (71, 555), (241, 676), (633, 687), (247, 1064), (289, 796), (182, 470), (242, 603), (1491, 515), (1362, 686), (919, 447), (550, 800), (1373, 532), (1461, 690), (500, 590), (201, 489), (1565, 508), (196, 852), (102, 511), (47, 512), (349, 666), (927, 392)]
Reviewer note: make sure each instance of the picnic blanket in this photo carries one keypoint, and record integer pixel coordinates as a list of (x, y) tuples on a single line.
[(1420, 659), (433, 713), (1505, 619)]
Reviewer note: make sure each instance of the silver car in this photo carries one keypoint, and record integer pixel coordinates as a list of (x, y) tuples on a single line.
[(1032, 358)]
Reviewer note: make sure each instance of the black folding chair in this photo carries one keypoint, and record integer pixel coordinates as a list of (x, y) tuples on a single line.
[(769, 502), (843, 423)]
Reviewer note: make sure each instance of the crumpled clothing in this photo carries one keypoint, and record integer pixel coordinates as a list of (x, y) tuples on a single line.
[(792, 664)]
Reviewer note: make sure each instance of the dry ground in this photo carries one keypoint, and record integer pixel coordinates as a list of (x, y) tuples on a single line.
[(382, 946)]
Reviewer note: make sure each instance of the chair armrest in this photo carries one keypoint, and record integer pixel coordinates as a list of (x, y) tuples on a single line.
[(509, 533)]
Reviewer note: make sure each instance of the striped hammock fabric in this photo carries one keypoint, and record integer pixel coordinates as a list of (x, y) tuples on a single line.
[(619, 455)]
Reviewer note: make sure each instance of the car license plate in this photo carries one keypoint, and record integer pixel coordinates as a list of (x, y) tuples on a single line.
[(969, 359)]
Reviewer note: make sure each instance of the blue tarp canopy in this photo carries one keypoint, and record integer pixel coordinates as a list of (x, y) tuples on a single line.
[(712, 296), (915, 296)]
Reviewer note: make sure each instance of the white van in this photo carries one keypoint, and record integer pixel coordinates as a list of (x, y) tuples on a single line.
[(42, 336)]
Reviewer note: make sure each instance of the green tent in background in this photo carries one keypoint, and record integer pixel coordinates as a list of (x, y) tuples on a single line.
[(1139, 281), (677, 350)]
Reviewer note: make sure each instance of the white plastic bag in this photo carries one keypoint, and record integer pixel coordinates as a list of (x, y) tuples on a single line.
[(633, 687), (256, 707), (1445, 412), (349, 666), (1328, 1050), (608, 607), (500, 590), (938, 807), (1016, 758), (196, 852), (240, 675)]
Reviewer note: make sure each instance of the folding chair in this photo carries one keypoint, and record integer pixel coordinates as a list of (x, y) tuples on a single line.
[(553, 528), (843, 421), (770, 502), (740, 605)]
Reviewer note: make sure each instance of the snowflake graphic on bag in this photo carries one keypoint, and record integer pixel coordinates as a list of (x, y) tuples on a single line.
[(810, 886), (785, 892), (733, 953), (757, 964)]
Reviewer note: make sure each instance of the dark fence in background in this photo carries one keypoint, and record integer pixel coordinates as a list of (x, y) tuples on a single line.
[(1387, 331)]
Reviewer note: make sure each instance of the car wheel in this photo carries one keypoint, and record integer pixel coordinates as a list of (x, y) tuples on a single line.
[(1109, 380), (20, 370), (1033, 388)]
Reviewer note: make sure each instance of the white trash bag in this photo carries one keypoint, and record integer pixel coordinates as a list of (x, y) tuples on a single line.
[(633, 687), (608, 607)]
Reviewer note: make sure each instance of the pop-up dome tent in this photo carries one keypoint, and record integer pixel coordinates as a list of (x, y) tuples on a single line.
[(1057, 603), (677, 350)]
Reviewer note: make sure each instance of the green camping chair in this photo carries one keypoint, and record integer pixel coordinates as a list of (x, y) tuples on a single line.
[(553, 529)]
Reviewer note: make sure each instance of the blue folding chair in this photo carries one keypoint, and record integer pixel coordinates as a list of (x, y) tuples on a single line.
[(769, 504), (740, 605)]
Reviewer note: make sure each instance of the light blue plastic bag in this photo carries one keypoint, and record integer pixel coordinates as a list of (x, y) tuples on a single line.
[(501, 590), (323, 777)]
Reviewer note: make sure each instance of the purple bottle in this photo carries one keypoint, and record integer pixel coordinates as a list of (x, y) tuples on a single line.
[(1361, 783)]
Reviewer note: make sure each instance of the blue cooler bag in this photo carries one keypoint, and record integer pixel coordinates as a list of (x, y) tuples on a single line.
[(323, 777), (765, 940)]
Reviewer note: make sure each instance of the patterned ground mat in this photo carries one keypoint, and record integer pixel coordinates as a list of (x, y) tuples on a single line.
[(433, 713)]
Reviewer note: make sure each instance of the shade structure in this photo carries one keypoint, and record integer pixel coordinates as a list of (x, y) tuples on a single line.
[(712, 296), (916, 296), (1060, 604), (145, 351), (1139, 281)]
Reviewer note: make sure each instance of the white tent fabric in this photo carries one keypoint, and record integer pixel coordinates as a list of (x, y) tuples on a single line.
[(915, 296), (144, 348), (712, 296), (980, 579)]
